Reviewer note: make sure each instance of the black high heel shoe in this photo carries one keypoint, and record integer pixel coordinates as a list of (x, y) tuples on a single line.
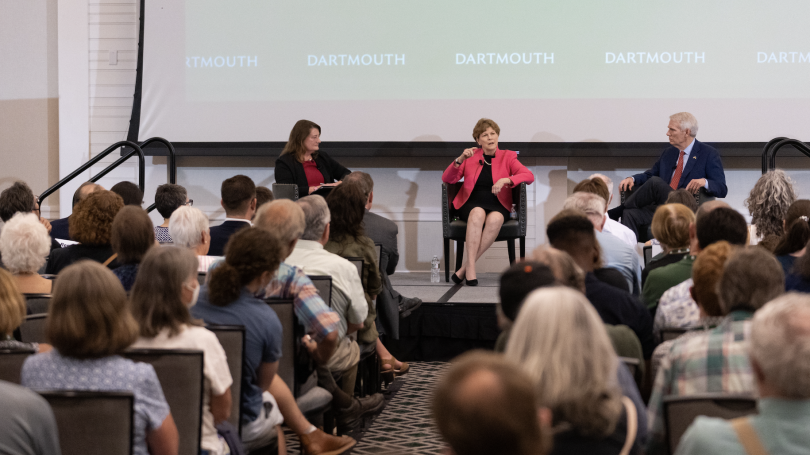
[(456, 279), (472, 282)]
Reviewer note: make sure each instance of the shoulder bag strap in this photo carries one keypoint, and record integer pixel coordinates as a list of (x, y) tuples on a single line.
[(748, 436), (110, 259), (632, 425)]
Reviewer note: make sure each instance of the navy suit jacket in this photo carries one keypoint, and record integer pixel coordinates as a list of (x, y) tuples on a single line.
[(704, 163), (222, 233)]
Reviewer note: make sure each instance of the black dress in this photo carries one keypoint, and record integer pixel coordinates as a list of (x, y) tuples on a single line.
[(482, 195)]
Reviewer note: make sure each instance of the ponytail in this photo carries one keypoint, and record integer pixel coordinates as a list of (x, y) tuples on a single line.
[(796, 237), (224, 285)]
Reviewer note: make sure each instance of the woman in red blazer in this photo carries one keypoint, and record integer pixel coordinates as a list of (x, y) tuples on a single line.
[(485, 198)]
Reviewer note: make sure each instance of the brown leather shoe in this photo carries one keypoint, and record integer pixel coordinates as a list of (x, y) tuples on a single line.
[(320, 443)]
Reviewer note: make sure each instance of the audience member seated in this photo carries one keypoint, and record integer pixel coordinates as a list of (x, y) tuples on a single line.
[(347, 239), (132, 236), (574, 234), (780, 360), (87, 294), (670, 226), (768, 203), (682, 196), (706, 274), (391, 305), (516, 283), (168, 198), (164, 291), (673, 170), (228, 299), (18, 198), (612, 226), (485, 405), (27, 424), (129, 192), (799, 279), (302, 162), (615, 253), (560, 342), (285, 220), (239, 201), (716, 361), (60, 229), (24, 245), (263, 196), (91, 226), (12, 315), (188, 228), (793, 243), (714, 221)]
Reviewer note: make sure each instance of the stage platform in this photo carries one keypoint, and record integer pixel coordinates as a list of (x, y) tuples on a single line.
[(452, 319)]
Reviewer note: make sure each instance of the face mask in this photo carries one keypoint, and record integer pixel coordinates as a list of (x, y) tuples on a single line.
[(195, 293)]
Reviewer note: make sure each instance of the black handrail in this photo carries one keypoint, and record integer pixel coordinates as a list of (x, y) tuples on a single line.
[(171, 164), (797, 144), (136, 149), (766, 151)]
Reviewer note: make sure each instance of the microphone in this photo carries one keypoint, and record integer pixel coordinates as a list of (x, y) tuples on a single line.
[(481, 162)]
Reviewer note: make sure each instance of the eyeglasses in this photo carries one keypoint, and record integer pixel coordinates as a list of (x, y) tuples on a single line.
[(190, 202)]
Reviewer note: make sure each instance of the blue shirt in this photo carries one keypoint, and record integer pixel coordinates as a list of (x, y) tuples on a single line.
[(620, 256), (781, 426), (262, 340), (51, 371)]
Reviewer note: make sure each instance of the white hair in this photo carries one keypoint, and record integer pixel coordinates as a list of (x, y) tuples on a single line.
[(560, 341), (316, 216), (686, 121), (605, 179), (780, 344), (592, 204), (186, 226), (24, 243)]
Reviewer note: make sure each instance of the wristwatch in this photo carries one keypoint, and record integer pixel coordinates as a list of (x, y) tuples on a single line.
[(457, 163)]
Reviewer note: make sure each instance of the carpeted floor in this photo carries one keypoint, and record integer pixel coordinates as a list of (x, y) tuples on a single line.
[(405, 425)]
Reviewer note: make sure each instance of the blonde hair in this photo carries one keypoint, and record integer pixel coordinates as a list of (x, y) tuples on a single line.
[(24, 243), (670, 225), (560, 341), (12, 304)]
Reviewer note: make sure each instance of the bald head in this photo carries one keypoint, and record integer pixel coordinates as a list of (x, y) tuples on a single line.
[(283, 218), (86, 189)]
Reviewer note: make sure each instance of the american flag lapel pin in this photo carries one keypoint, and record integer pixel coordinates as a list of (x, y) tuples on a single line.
[(694, 157)]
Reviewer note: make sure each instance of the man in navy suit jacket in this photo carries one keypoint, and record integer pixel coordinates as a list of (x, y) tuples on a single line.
[(239, 201), (700, 167)]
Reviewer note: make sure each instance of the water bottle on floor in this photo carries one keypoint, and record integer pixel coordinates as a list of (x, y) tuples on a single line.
[(434, 269)]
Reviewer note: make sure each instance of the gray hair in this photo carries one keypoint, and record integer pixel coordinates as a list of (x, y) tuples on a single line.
[(24, 243), (751, 277), (560, 341), (769, 201), (316, 215), (605, 179), (592, 204), (186, 226), (780, 344), (283, 218), (686, 121)]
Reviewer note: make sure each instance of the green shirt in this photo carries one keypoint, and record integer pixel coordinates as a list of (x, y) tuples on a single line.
[(663, 278)]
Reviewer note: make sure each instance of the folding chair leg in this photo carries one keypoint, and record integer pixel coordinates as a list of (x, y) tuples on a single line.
[(511, 247), (522, 247), (459, 254), (446, 260)]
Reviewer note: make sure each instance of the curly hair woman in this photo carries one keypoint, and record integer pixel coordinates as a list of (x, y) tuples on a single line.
[(768, 204), (91, 226)]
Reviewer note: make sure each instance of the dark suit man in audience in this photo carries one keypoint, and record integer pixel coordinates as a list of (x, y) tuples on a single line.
[(716, 361), (391, 305), (239, 201), (59, 228), (780, 359), (572, 232), (485, 405), (688, 164)]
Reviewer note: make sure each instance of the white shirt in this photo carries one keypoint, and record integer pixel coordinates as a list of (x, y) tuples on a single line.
[(239, 219), (621, 231), (310, 256)]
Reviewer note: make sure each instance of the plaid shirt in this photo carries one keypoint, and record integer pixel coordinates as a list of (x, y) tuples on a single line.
[(714, 361)]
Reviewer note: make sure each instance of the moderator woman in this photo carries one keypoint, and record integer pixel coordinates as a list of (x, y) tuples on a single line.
[(302, 164), (482, 201)]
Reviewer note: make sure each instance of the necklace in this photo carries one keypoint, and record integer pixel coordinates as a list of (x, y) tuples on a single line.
[(488, 163)]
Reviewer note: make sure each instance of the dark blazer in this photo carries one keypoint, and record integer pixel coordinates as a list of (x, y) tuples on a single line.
[(619, 307), (59, 229), (63, 257), (222, 233), (289, 170), (704, 163)]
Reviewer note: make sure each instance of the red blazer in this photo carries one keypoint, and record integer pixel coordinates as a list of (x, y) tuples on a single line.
[(504, 165)]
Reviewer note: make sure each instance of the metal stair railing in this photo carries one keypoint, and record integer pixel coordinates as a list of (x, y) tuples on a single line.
[(766, 152), (795, 143), (171, 165)]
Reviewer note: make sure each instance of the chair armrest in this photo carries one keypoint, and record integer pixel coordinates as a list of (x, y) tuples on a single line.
[(446, 210), (521, 206)]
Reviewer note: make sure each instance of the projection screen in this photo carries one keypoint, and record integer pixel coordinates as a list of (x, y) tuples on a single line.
[(546, 71)]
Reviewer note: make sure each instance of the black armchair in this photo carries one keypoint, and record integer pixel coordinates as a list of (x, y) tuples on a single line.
[(457, 229)]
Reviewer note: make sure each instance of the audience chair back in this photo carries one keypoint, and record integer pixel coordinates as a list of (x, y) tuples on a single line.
[(32, 329), (93, 423), (232, 339), (670, 333), (286, 365), (647, 254), (285, 191), (11, 362), (634, 366), (358, 262), (323, 283), (37, 303), (201, 276), (680, 412), (180, 372), (454, 229)]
